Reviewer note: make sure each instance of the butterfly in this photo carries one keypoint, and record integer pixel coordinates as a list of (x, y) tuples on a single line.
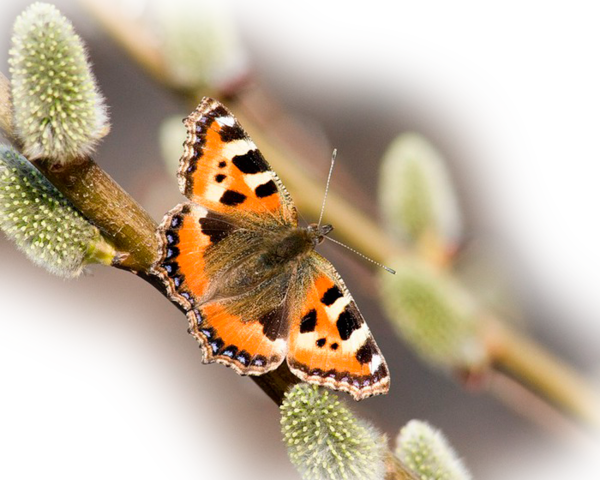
[(255, 290)]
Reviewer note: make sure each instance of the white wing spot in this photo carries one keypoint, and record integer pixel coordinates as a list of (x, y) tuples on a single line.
[(229, 121), (238, 147), (256, 179), (337, 307), (375, 363), (214, 192)]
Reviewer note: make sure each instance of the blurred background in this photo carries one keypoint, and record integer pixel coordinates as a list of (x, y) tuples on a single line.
[(99, 377)]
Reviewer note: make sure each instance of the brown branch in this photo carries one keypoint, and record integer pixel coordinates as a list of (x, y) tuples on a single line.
[(131, 36), (533, 366), (124, 222), (530, 406)]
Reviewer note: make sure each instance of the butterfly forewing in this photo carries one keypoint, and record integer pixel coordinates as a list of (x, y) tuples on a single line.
[(222, 169)]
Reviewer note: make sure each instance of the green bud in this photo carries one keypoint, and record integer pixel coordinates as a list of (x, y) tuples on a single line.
[(326, 441), (426, 452), (434, 315), (42, 222), (416, 195), (58, 112), (201, 46)]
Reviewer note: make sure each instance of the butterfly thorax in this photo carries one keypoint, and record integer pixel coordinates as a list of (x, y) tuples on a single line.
[(292, 244)]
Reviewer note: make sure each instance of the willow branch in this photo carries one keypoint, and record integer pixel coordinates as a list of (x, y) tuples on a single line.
[(533, 366), (131, 36), (125, 223)]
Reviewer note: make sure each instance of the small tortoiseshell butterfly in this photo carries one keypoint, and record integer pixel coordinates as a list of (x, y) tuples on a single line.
[(255, 290)]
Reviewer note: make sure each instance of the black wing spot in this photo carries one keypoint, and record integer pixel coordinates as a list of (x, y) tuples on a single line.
[(232, 198), (215, 227), (271, 322), (321, 342), (334, 346), (266, 189), (222, 164), (366, 352), (243, 357), (308, 322), (331, 295), (347, 322), (232, 133), (220, 177), (251, 162)]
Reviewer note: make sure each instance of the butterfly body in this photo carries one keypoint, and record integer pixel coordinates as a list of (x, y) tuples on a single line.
[(255, 290)]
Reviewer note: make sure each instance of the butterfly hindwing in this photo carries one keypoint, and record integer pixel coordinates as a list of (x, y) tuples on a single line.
[(201, 250), (236, 340), (222, 169), (330, 343)]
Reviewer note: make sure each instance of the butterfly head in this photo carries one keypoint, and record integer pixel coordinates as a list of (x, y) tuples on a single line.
[(318, 232)]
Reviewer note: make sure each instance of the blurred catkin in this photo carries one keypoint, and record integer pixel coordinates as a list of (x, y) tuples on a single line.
[(59, 113), (43, 223), (426, 452), (416, 195), (434, 315), (201, 47), (326, 441)]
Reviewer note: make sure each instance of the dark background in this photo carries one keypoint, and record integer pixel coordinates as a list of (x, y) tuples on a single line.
[(358, 86)]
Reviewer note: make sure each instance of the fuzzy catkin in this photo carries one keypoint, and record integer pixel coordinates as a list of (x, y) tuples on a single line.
[(434, 315), (326, 441), (416, 195), (427, 453), (59, 113), (201, 45), (42, 222)]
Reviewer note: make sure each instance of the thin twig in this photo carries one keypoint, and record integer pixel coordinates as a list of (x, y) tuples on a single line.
[(533, 408), (533, 366)]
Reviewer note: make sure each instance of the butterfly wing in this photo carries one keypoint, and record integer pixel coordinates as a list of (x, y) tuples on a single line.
[(222, 169), (329, 342), (199, 249), (236, 199)]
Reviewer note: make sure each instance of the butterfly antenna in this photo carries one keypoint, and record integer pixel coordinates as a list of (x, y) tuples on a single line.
[(387, 269), (333, 155)]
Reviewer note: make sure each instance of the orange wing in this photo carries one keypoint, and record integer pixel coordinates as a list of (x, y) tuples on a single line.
[(222, 169), (244, 345), (330, 343), (184, 235), (189, 236)]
